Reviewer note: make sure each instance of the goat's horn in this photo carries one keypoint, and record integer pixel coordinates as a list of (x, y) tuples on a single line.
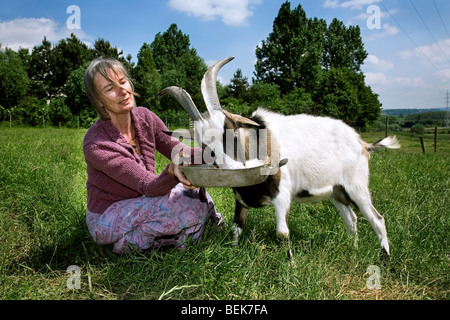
[(185, 100), (209, 89)]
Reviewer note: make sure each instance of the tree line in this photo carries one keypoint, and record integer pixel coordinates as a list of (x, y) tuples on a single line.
[(303, 66)]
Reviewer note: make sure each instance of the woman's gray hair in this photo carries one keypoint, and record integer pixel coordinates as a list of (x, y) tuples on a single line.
[(102, 65)]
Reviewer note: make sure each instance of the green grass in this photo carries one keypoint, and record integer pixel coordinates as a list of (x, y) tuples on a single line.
[(42, 212)]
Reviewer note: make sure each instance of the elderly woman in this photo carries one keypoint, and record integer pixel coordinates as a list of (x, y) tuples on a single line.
[(128, 205)]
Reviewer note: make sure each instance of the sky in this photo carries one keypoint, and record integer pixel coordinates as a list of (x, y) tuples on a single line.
[(407, 41)]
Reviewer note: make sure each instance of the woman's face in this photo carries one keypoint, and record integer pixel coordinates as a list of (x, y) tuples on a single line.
[(117, 98)]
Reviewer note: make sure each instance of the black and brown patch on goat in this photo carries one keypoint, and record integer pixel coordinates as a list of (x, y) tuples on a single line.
[(257, 196), (341, 195)]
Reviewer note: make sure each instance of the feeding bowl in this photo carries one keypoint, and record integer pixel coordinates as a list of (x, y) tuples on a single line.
[(207, 175)]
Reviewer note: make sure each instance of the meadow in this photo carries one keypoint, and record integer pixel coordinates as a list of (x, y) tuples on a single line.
[(43, 232)]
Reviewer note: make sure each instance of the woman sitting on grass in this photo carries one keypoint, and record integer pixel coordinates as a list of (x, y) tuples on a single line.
[(128, 205)]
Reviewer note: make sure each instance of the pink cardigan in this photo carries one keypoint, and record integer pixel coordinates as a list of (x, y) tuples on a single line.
[(115, 171)]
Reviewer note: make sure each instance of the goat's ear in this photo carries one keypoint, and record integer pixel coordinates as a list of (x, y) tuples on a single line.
[(241, 121), (245, 122)]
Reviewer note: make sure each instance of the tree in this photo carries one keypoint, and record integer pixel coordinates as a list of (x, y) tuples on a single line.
[(298, 101), (59, 112), (291, 55), (76, 97), (343, 47), (14, 81), (338, 97), (238, 85), (369, 103), (41, 70), (103, 48), (168, 47), (344, 95), (265, 95), (147, 80), (68, 55), (178, 65), (320, 64)]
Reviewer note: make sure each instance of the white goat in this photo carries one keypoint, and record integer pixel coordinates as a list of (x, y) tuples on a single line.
[(326, 159)]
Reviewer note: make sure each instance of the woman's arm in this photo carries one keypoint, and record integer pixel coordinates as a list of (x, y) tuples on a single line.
[(116, 162)]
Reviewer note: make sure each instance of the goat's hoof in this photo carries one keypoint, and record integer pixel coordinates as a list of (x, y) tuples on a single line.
[(283, 236), (235, 234), (289, 254), (384, 255)]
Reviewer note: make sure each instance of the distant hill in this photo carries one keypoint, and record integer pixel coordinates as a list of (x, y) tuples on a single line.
[(398, 112)]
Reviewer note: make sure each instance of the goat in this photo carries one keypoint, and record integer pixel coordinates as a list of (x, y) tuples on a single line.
[(326, 159)]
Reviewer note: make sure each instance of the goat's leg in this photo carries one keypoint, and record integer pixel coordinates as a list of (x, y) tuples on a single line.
[(240, 215), (350, 219), (362, 200), (282, 204)]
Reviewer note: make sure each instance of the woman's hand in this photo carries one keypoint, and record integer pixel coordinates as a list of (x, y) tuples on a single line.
[(175, 170)]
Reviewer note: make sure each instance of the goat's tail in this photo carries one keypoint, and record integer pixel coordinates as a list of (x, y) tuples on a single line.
[(389, 143)]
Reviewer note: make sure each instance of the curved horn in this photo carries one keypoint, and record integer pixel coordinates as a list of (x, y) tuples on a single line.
[(185, 100), (209, 89)]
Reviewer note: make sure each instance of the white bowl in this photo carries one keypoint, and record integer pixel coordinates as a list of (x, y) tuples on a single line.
[(207, 175)]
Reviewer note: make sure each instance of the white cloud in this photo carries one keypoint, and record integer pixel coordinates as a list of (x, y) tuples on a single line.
[(415, 82), (352, 4), (438, 53), (375, 62), (386, 30), (381, 79), (444, 75), (376, 78), (28, 32), (210, 63), (383, 15), (231, 12)]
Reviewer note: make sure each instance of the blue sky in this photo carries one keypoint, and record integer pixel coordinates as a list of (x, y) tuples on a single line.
[(409, 54)]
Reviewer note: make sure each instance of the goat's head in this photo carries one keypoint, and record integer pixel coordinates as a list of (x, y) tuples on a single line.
[(231, 139)]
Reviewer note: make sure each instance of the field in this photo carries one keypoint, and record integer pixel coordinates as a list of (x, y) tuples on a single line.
[(42, 212)]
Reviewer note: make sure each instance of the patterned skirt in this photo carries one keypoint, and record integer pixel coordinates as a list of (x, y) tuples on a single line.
[(143, 223)]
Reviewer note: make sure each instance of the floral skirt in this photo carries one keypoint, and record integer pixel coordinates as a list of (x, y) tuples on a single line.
[(144, 223)]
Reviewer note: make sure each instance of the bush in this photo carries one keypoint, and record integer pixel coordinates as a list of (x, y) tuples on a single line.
[(417, 129), (237, 106), (31, 111), (174, 118), (87, 117), (59, 112)]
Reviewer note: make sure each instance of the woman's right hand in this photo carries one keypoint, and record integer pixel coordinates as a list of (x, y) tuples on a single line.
[(175, 170)]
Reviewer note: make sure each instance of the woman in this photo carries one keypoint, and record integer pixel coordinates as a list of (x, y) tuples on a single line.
[(128, 205)]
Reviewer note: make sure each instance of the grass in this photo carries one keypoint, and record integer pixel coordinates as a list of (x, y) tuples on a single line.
[(42, 212)]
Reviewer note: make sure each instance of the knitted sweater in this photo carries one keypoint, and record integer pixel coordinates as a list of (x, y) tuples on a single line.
[(115, 171)]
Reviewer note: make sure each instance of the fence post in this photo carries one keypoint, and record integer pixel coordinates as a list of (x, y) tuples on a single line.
[(421, 142), (387, 125), (435, 139)]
